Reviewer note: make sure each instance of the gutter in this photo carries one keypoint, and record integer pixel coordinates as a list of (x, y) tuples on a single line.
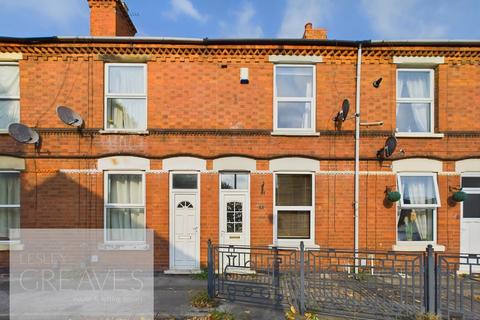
[(246, 41)]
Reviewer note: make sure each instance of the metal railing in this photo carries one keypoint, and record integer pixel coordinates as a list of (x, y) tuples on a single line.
[(364, 284), (458, 286)]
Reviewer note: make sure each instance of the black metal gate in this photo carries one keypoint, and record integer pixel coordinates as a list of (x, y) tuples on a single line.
[(458, 286), (367, 284), (361, 285)]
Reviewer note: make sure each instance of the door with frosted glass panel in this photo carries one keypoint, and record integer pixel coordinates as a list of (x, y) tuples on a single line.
[(470, 226), (234, 221)]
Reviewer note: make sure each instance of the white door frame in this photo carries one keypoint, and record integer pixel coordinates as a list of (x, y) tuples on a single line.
[(171, 226), (467, 190), (221, 194)]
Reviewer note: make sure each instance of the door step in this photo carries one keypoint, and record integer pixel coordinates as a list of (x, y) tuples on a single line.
[(182, 271)]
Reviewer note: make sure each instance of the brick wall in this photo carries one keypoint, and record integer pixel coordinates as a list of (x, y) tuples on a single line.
[(197, 107)]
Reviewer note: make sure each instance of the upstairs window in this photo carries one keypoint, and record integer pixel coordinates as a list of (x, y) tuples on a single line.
[(418, 207), (294, 99), (9, 95), (415, 103), (125, 97)]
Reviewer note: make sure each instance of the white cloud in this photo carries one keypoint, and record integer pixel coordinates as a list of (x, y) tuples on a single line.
[(406, 19), (185, 8), (298, 12), (59, 11), (243, 25)]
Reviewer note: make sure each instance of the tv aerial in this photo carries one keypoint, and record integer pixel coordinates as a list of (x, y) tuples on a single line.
[(388, 148), (24, 134), (70, 117)]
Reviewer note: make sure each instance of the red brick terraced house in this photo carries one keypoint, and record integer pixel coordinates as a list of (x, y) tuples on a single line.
[(234, 140)]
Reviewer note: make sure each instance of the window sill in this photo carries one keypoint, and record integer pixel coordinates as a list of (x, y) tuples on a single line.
[(294, 245), (112, 246), (293, 133), (137, 132), (11, 246), (419, 135), (417, 247)]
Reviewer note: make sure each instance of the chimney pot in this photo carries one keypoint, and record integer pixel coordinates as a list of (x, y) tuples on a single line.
[(311, 33)]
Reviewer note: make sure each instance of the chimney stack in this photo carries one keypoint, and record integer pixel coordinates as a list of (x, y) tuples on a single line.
[(310, 33), (109, 18)]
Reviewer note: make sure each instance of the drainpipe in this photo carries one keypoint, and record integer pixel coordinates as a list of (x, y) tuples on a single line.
[(357, 154)]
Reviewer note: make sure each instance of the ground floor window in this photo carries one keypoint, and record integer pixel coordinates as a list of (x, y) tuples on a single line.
[(9, 205), (416, 218), (294, 206), (125, 206), (416, 224)]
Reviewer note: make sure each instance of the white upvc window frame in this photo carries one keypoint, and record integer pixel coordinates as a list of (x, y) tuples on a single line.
[(430, 100), (11, 98), (108, 95), (312, 100), (434, 207), (222, 173), (293, 242), (418, 174), (108, 205), (5, 241)]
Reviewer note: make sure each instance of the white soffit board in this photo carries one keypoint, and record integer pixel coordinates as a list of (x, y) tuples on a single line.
[(295, 59), (467, 165), (123, 163), (12, 163), (234, 164), (184, 163), (10, 56), (294, 164), (417, 164), (418, 60)]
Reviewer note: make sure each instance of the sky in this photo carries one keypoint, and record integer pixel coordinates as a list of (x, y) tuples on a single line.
[(344, 19)]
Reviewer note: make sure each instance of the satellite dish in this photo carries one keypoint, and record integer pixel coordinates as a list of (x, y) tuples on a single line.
[(69, 117), (342, 115), (377, 82), (23, 134), (388, 149)]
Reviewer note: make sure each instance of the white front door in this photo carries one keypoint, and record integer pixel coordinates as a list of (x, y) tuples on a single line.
[(184, 222), (234, 219), (470, 225)]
